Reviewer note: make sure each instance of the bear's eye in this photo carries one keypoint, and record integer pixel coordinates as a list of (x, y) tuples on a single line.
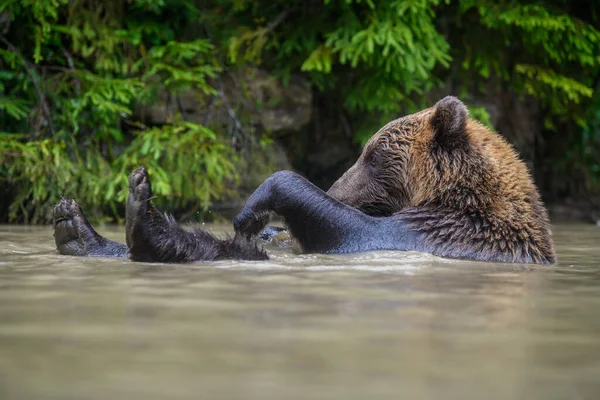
[(373, 159)]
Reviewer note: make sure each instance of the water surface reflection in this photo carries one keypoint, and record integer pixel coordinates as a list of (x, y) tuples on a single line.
[(361, 326)]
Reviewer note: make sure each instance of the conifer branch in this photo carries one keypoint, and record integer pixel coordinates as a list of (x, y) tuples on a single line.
[(29, 68)]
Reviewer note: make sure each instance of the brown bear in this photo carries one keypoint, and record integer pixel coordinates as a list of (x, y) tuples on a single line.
[(435, 181)]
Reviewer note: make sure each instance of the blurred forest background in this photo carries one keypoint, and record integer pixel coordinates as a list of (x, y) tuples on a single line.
[(211, 96)]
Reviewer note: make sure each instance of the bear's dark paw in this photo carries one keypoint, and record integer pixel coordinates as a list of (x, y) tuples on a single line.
[(146, 228), (139, 184), (249, 223), (73, 233), (140, 192)]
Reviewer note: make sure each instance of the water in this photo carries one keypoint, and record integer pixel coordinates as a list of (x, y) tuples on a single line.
[(366, 326)]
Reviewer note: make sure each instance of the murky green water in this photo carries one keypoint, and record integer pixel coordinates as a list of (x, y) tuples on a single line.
[(376, 325)]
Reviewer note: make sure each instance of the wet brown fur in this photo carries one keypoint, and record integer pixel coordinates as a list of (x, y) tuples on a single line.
[(459, 184)]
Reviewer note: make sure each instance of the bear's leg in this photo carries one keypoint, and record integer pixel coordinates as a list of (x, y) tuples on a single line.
[(154, 237), (75, 236), (320, 223)]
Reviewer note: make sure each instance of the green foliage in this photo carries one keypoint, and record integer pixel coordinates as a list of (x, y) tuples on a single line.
[(542, 49), (549, 50), (71, 85), (73, 73), (381, 58), (583, 157), (179, 146), (371, 55), (15, 108), (481, 115)]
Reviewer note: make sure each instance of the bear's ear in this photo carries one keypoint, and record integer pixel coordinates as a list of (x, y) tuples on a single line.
[(449, 122)]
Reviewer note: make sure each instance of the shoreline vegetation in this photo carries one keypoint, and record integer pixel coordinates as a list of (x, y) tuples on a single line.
[(214, 96)]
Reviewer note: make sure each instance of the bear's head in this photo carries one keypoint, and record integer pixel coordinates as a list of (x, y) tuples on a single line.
[(439, 158)]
